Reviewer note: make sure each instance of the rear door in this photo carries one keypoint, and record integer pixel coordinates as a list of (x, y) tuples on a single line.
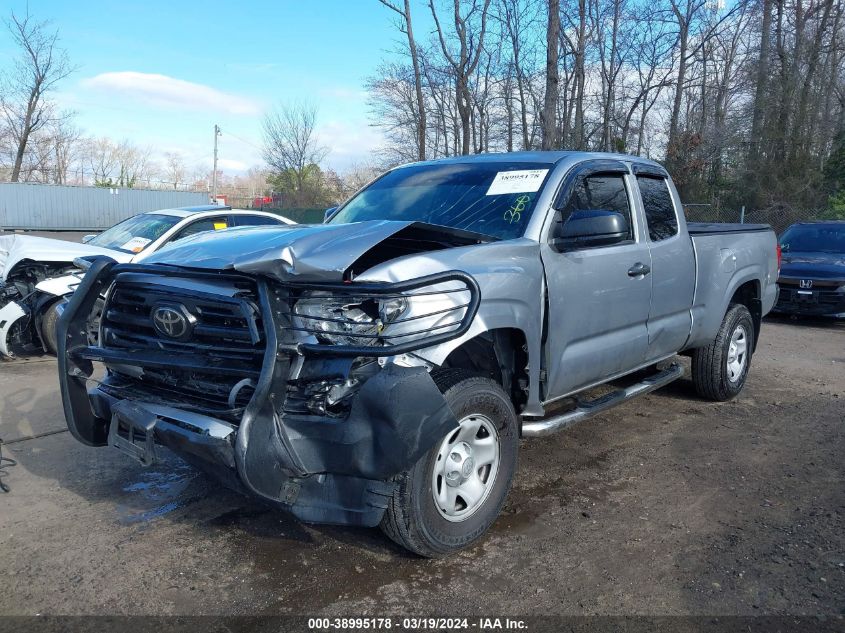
[(672, 264), (598, 297)]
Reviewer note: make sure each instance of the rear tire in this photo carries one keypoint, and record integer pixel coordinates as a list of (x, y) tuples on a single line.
[(720, 369), (427, 515)]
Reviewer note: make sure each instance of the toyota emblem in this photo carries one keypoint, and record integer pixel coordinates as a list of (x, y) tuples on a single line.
[(170, 322)]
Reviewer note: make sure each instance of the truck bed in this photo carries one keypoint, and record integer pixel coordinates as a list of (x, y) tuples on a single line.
[(726, 256)]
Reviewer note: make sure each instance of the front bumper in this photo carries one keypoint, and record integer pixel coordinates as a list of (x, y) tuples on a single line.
[(823, 301), (321, 468)]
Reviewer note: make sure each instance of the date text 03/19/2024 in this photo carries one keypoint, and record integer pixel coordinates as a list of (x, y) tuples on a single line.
[(416, 624)]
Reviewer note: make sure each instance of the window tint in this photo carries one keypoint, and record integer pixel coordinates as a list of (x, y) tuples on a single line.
[(659, 210), (599, 193), (255, 220), (217, 223)]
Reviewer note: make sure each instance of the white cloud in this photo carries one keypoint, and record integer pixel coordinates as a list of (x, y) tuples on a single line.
[(349, 142), (168, 92)]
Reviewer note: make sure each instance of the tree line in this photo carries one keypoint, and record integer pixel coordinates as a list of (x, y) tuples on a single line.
[(741, 100)]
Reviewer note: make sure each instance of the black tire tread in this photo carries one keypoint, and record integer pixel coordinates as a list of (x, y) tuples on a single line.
[(397, 524), (707, 361)]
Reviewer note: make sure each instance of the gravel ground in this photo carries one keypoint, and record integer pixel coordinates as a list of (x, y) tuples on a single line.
[(665, 505)]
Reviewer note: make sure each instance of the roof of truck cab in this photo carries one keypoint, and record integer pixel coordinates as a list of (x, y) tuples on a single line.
[(549, 157)]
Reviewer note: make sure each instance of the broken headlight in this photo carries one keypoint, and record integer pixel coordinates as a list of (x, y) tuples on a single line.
[(347, 320)]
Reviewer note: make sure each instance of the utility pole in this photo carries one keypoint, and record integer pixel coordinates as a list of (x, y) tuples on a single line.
[(214, 170)]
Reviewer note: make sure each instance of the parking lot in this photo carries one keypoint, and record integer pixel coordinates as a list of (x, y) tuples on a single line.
[(666, 505)]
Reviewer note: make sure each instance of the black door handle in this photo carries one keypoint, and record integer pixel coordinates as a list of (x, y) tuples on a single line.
[(638, 270)]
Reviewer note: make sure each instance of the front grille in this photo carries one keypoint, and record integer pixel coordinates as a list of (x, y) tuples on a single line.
[(213, 367), (819, 299)]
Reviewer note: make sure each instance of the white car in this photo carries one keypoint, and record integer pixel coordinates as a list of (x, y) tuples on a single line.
[(37, 274)]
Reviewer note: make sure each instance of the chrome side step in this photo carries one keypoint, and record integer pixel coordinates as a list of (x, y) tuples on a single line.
[(584, 410)]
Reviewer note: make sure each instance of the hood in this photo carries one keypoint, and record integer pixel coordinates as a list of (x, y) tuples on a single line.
[(310, 252), (16, 248), (813, 265)]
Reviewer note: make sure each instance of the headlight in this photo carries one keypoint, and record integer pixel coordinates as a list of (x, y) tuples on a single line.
[(348, 320), (411, 313)]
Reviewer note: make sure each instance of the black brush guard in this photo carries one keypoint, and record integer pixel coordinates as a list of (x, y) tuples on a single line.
[(321, 468)]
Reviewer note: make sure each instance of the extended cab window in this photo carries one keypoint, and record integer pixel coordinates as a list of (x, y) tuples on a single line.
[(659, 209), (599, 192)]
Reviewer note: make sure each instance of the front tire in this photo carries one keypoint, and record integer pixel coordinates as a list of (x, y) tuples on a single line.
[(49, 336), (720, 369), (452, 495)]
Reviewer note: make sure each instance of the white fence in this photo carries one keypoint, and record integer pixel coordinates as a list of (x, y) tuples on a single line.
[(60, 208)]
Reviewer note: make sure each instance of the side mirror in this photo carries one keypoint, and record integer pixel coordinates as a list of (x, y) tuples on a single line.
[(328, 213), (585, 229), (87, 238)]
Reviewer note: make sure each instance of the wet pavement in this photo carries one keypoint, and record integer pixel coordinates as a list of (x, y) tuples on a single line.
[(666, 505)]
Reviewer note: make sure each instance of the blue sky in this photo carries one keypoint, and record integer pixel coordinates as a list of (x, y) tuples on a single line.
[(163, 73)]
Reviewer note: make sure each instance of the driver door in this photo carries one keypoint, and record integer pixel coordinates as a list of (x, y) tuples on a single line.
[(599, 295)]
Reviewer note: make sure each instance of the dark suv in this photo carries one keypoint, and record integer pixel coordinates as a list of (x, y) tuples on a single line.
[(812, 274)]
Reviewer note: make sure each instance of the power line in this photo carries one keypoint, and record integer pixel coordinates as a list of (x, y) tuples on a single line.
[(243, 140)]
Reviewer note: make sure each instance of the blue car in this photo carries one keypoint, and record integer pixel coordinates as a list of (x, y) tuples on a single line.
[(812, 274)]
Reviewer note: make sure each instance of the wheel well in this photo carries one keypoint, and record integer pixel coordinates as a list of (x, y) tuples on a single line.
[(501, 355), (748, 294)]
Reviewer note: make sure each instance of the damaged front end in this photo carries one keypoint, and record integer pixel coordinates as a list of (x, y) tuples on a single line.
[(24, 296), (295, 392)]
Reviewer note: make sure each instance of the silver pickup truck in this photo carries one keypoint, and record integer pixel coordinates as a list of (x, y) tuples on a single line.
[(380, 369)]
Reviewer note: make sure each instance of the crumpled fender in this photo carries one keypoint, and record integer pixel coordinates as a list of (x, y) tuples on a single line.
[(16, 248), (396, 417)]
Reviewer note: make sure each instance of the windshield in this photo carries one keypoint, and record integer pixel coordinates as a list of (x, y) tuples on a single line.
[(814, 238), (496, 199), (136, 233)]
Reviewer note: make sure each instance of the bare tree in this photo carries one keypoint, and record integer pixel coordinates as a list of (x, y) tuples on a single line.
[(577, 43), (174, 169), (291, 146), (101, 161), (64, 140), (23, 100), (552, 75), (762, 79), (518, 22), (134, 166), (470, 35), (406, 27)]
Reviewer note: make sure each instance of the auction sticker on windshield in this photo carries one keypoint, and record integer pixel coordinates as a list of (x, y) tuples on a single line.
[(521, 181), (136, 244)]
